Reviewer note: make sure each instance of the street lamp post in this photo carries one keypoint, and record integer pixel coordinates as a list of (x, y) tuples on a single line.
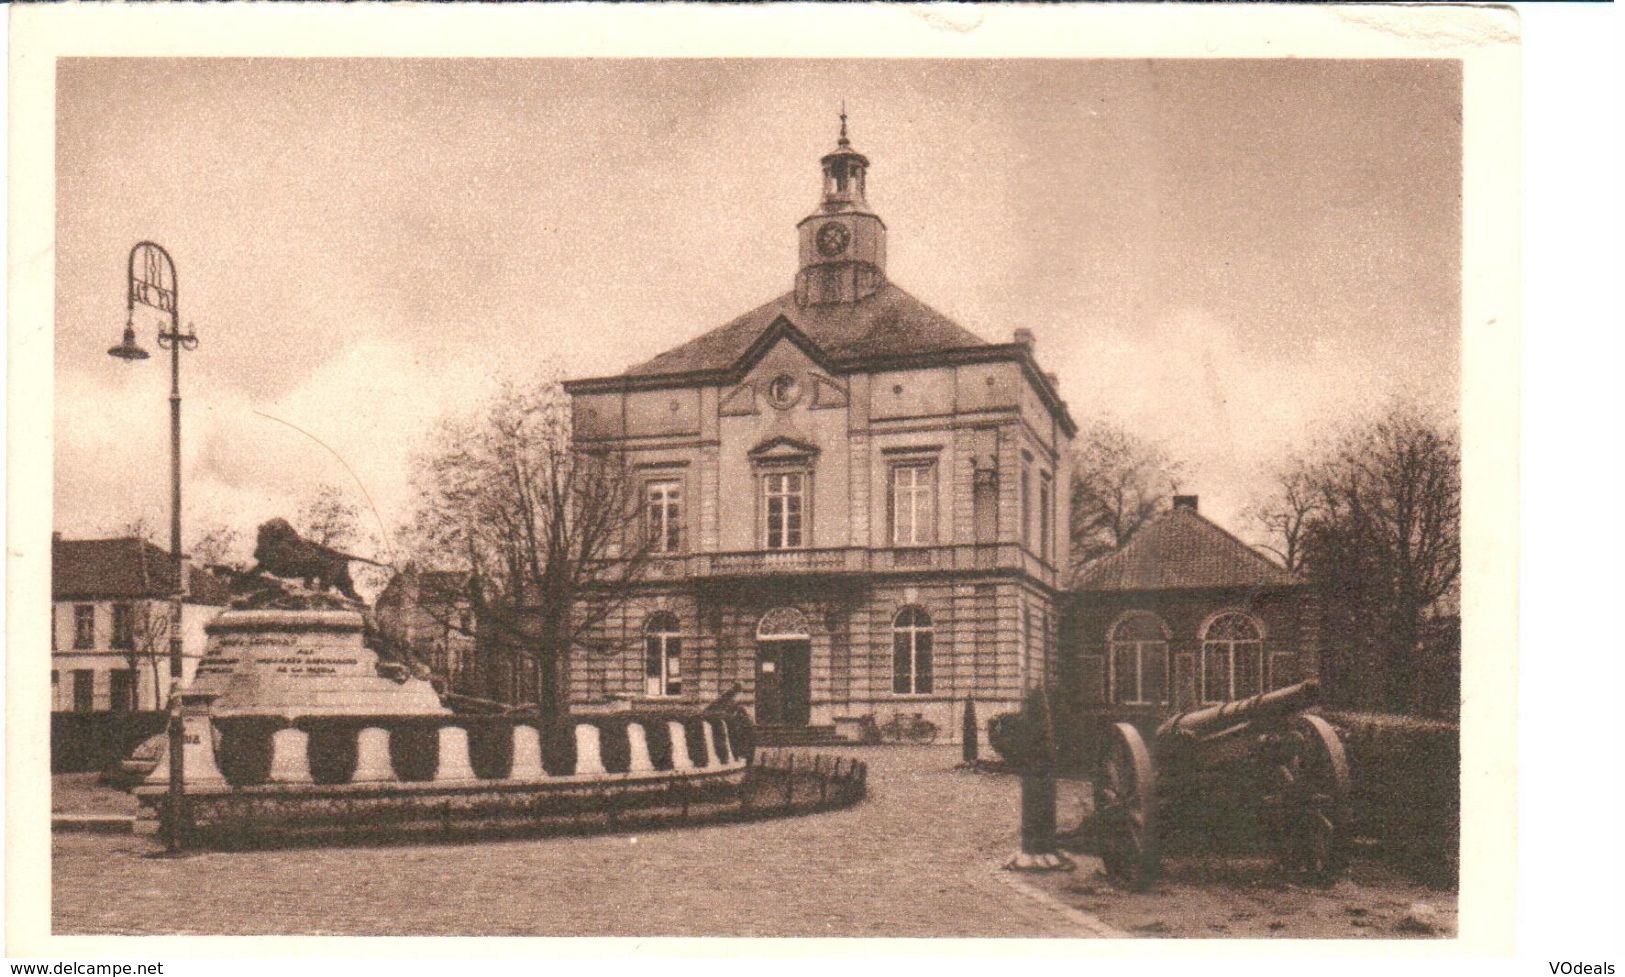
[(154, 285)]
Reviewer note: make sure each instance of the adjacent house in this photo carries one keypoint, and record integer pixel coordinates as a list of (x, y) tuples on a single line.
[(858, 504), (431, 613), (111, 619), (1185, 614)]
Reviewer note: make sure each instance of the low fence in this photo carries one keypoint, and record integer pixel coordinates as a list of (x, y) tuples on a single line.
[(85, 742)]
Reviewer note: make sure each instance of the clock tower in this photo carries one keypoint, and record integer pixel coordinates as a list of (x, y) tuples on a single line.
[(843, 242)]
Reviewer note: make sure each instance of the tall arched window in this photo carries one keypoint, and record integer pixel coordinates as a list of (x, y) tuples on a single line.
[(1139, 659), (662, 655), (911, 652), (1232, 658)]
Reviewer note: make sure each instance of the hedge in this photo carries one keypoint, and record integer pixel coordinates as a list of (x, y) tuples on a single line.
[(85, 742), (1406, 794)]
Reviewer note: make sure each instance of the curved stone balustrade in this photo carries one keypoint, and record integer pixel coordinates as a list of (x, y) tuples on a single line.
[(609, 749)]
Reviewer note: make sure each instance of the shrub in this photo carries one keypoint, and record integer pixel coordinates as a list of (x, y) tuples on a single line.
[(558, 748), (719, 736), (742, 734), (244, 754), (332, 750), (613, 746), (659, 734), (694, 733), (490, 746), (414, 748), (1406, 775)]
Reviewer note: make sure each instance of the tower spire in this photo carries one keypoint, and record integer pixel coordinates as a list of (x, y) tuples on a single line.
[(843, 242)]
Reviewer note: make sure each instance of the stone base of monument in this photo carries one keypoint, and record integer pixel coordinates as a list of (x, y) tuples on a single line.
[(302, 663)]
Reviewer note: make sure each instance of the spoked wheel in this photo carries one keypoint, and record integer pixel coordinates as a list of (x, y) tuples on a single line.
[(1125, 809), (924, 731), (1308, 808)]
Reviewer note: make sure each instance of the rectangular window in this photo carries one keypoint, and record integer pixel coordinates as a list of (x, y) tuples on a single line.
[(1026, 505), (911, 662), (664, 501), (662, 665), (784, 494), (53, 627), (1046, 495), (912, 491), (122, 690), (84, 625), (56, 689), (123, 629), (84, 690)]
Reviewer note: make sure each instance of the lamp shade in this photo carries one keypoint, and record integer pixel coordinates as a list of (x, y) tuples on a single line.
[(129, 349)]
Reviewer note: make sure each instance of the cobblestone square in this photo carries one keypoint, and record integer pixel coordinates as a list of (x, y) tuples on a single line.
[(920, 857)]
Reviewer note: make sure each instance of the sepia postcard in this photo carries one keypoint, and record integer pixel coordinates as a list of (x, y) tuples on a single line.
[(812, 472)]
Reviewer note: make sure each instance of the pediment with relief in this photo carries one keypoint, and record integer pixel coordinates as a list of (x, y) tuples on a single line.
[(783, 449)]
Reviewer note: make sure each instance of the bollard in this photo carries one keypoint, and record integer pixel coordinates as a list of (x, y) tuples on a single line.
[(588, 758), (527, 754), (637, 739), (968, 734), (790, 782), (372, 763), (1039, 852), (453, 763), (290, 757)]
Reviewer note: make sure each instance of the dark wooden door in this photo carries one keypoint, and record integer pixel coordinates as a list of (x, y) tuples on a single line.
[(795, 682), (783, 683)]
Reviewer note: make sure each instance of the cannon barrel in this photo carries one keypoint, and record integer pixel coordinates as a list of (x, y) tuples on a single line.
[(1269, 705)]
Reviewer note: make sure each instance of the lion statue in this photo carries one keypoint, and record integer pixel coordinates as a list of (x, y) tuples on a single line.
[(281, 552)]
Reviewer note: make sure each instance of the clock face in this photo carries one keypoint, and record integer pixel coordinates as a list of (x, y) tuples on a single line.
[(833, 239)]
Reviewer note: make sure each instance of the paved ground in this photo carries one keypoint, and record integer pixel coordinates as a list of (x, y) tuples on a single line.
[(918, 858)]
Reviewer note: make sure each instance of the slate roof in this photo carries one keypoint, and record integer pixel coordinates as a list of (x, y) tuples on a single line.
[(1182, 550), (891, 322), (124, 569)]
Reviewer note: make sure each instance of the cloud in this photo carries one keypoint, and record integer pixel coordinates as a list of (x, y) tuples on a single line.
[(352, 423)]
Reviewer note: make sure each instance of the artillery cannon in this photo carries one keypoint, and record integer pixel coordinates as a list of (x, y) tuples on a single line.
[(1226, 777)]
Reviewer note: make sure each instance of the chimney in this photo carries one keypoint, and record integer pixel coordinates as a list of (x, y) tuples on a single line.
[(1185, 502), (1025, 338)]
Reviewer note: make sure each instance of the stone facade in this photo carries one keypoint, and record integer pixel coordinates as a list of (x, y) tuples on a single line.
[(860, 503)]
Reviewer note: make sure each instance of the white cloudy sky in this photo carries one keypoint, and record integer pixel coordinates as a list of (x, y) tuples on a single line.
[(1225, 256)]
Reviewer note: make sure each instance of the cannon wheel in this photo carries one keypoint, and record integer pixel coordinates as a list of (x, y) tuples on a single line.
[(1125, 808), (1313, 803)]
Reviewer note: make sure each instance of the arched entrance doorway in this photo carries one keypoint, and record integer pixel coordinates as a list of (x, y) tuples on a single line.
[(783, 669)]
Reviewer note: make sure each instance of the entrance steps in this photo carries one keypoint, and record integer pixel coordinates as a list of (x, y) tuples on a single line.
[(798, 736)]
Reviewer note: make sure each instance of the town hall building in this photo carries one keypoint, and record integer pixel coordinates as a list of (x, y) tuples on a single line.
[(859, 506)]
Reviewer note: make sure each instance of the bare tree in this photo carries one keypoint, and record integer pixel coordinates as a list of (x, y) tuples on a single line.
[(1119, 481), (141, 627), (1385, 541), (552, 533), (328, 517), (1285, 515), (143, 637), (216, 546)]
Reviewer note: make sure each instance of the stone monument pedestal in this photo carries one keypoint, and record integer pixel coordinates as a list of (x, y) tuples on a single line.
[(302, 663)]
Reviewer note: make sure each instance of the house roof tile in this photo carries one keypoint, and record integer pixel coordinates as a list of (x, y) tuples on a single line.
[(1182, 550), (891, 322), (124, 568)]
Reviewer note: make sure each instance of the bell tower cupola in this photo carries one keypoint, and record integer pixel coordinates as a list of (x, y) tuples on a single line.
[(843, 242)]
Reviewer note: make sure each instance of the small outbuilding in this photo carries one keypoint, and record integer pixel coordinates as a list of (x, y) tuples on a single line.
[(1183, 614)]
